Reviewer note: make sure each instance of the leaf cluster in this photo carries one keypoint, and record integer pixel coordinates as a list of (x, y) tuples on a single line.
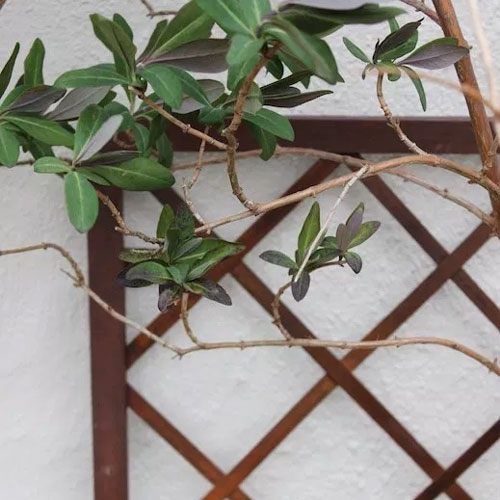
[(331, 250)]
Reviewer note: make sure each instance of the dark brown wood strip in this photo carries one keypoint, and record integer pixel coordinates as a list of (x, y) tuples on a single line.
[(432, 247), (366, 135), (250, 238), (344, 378), (144, 410), (481, 446), (107, 345), (443, 272)]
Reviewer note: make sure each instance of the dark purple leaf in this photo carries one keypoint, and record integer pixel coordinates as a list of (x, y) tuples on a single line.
[(301, 286), (110, 158), (343, 237), (354, 261), (437, 54), (169, 294), (76, 101), (202, 56), (291, 101), (396, 39), (355, 219), (211, 290), (36, 99), (279, 259), (328, 4)]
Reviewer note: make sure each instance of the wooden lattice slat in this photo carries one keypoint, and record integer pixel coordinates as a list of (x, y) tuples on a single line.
[(338, 373)]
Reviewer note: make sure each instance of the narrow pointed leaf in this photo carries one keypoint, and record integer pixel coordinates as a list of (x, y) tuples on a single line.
[(272, 122), (42, 130), (165, 83), (9, 147), (33, 64), (309, 231), (36, 99), (95, 76), (50, 165), (6, 73), (396, 39), (103, 135), (418, 85), (355, 50), (166, 219), (76, 101), (211, 290)]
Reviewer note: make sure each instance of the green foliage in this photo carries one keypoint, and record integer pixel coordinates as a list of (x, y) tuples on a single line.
[(81, 201), (182, 263), (332, 249)]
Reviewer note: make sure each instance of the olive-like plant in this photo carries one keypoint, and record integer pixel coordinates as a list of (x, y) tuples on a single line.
[(110, 121)]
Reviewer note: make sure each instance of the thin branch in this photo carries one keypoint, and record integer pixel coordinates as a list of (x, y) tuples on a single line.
[(154, 13), (420, 6), (492, 366), (392, 121), (275, 309), (185, 127), (374, 169), (185, 319), (230, 131), (319, 237), (445, 193), (122, 226), (194, 179)]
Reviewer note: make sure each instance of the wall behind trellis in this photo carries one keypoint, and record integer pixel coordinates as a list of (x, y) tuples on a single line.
[(225, 401)]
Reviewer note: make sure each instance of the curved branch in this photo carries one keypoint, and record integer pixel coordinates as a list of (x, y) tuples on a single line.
[(420, 6)]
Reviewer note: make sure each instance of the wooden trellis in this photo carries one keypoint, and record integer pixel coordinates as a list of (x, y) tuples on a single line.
[(111, 357)]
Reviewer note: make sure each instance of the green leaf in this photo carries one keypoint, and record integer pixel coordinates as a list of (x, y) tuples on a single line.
[(266, 140), (322, 256), (437, 54), (243, 47), (188, 25), (329, 242), (301, 286), (192, 87), (42, 130), (178, 273), (90, 175), (166, 219), (140, 174), (355, 50), (255, 10), (402, 49), (141, 136), (313, 53), (51, 165), (279, 259), (310, 230), (165, 151), (33, 64), (9, 147), (237, 72), (354, 261), (366, 230), (135, 255), (82, 204), (95, 76), (212, 258), (165, 83), (272, 122), (6, 73), (228, 14), (118, 42), (294, 99), (122, 22), (93, 132), (418, 85), (209, 289), (208, 92), (152, 272)]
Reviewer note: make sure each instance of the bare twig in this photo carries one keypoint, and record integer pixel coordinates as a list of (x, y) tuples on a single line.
[(230, 131), (194, 179), (374, 169), (420, 6), (319, 237), (185, 127), (445, 193), (154, 13), (122, 226), (275, 308), (185, 320), (392, 121), (492, 366)]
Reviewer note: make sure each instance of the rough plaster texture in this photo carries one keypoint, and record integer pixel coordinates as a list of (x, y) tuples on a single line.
[(226, 401)]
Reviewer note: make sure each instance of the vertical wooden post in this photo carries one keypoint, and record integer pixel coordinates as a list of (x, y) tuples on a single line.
[(477, 110), (108, 361)]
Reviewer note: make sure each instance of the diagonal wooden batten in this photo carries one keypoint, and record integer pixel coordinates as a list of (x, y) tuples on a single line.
[(468, 458), (151, 416)]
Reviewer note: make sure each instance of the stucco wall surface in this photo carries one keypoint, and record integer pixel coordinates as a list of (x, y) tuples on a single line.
[(226, 401)]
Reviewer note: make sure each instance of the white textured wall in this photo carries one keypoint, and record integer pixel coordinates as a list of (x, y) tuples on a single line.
[(226, 401)]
